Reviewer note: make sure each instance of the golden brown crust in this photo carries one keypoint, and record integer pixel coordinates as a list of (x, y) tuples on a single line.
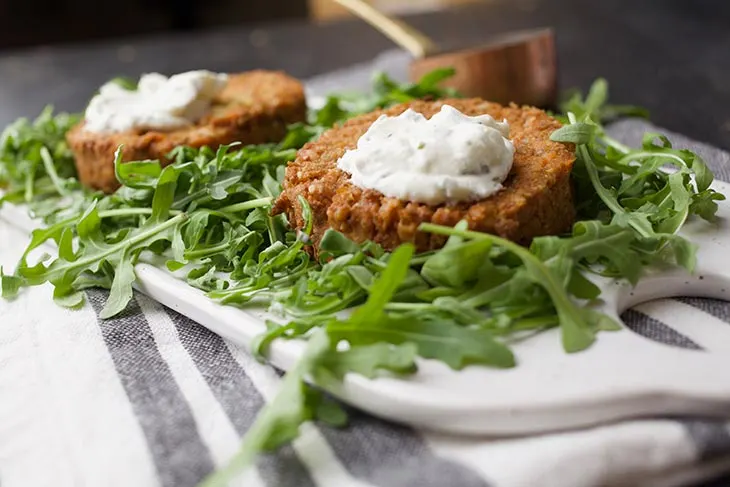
[(255, 107), (536, 199)]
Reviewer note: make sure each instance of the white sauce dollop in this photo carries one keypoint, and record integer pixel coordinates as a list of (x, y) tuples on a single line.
[(448, 158), (159, 103)]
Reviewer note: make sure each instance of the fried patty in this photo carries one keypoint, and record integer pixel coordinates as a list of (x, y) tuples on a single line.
[(254, 107), (536, 199)]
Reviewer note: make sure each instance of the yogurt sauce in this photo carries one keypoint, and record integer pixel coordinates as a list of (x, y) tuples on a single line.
[(159, 103), (448, 158)]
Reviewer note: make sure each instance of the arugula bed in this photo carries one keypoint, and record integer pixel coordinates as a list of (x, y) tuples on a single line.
[(207, 215)]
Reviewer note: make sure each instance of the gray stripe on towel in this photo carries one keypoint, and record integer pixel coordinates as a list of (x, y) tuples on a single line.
[(716, 307), (390, 455), (179, 454), (657, 331), (710, 436), (238, 396)]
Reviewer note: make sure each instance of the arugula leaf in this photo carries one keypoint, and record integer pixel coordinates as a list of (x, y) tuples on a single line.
[(610, 244), (457, 265), (386, 92), (366, 360), (597, 96), (121, 290), (9, 285), (280, 420), (125, 82), (335, 244), (383, 290), (440, 339), (594, 106), (575, 133), (430, 83), (330, 113), (704, 205), (634, 190), (36, 165), (136, 174), (553, 276), (297, 403)]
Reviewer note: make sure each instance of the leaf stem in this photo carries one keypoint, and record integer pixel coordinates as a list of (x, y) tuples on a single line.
[(528, 324), (196, 254), (29, 183), (51, 170), (616, 144), (130, 212), (247, 205), (84, 262), (408, 306)]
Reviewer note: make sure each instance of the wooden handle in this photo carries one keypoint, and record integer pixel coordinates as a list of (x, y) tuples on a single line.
[(410, 39)]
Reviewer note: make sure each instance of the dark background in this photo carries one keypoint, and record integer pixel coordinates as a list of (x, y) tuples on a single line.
[(33, 22), (671, 56)]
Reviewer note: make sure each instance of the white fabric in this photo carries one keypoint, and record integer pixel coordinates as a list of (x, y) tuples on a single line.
[(66, 419)]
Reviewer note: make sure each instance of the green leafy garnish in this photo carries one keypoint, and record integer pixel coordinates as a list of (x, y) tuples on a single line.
[(206, 216), (386, 92), (37, 168), (595, 104), (296, 402)]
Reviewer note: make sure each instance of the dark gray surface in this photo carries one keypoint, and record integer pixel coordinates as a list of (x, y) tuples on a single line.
[(670, 56)]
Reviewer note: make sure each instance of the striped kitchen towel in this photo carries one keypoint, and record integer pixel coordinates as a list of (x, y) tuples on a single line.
[(150, 398)]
